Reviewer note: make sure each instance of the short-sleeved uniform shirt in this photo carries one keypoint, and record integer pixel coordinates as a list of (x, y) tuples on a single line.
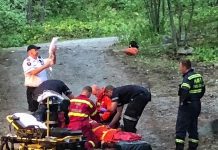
[(30, 64), (124, 94), (53, 85)]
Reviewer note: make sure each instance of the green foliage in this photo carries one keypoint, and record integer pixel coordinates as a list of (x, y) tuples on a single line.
[(205, 54), (127, 19), (12, 20)]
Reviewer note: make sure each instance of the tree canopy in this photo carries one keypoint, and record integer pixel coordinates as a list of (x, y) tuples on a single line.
[(183, 23)]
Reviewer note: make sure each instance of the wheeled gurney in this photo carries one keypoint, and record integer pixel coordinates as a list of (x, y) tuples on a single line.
[(32, 135)]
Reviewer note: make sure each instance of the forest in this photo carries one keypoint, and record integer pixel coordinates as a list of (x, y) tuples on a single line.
[(159, 26)]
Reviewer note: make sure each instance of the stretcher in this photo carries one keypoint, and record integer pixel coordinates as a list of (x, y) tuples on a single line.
[(33, 135), (26, 133)]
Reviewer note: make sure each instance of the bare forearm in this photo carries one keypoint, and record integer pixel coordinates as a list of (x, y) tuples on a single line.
[(115, 119), (53, 57), (37, 70)]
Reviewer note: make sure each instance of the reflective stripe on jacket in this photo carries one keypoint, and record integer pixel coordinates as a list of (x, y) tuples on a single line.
[(192, 87), (80, 110)]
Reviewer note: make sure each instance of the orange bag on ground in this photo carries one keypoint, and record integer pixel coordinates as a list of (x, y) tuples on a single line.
[(131, 51)]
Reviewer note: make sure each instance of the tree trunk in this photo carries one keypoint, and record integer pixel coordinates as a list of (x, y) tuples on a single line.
[(29, 12), (148, 8), (163, 15), (152, 14), (158, 16), (42, 13), (163, 8), (188, 26), (172, 24), (153, 7), (180, 17)]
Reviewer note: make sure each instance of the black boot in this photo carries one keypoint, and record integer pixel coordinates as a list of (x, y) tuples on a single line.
[(179, 146), (192, 146)]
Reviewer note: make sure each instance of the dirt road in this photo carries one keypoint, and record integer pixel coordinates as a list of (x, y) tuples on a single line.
[(92, 61)]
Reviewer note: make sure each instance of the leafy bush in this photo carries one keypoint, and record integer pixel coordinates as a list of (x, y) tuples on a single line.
[(11, 22), (127, 19), (206, 54)]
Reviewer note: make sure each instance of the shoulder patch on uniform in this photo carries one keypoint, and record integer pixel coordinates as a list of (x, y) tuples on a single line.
[(28, 63), (41, 61)]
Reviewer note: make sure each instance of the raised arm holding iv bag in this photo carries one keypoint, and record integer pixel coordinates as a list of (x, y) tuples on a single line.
[(52, 50)]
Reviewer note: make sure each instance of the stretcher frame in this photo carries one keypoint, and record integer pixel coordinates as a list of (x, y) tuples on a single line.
[(31, 138)]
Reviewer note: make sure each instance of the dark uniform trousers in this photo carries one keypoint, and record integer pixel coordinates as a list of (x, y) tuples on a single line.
[(187, 121), (32, 104), (134, 111)]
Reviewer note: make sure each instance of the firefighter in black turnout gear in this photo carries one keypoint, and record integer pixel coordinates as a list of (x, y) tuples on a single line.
[(191, 90), (135, 96)]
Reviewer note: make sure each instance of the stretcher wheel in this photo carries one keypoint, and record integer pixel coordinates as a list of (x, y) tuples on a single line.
[(5, 146)]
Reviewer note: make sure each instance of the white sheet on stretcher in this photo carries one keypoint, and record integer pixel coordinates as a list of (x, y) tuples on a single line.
[(28, 120), (49, 93)]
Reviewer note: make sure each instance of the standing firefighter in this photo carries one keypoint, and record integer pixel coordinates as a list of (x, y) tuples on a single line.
[(190, 92), (80, 111), (135, 96)]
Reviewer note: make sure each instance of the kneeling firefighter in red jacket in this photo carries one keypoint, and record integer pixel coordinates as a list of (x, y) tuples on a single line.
[(80, 110)]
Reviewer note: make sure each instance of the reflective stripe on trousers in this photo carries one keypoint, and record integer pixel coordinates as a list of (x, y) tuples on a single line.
[(180, 141), (193, 141), (130, 118)]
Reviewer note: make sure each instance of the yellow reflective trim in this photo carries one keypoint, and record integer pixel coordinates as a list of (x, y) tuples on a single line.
[(185, 85), (195, 91), (105, 132), (77, 114), (194, 76), (91, 142), (94, 113), (82, 101), (193, 140), (94, 129), (180, 141)]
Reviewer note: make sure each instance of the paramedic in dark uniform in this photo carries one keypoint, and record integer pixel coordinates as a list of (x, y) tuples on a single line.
[(34, 68), (53, 85), (135, 96), (57, 86), (191, 90)]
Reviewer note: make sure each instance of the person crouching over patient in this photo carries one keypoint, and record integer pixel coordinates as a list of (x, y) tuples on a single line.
[(135, 96), (103, 104), (81, 109)]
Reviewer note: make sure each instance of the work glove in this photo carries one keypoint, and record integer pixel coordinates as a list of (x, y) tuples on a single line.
[(102, 110)]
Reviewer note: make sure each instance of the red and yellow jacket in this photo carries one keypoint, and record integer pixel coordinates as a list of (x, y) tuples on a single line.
[(103, 101), (81, 109)]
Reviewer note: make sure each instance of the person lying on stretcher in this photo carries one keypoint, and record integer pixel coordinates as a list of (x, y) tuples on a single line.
[(109, 135)]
